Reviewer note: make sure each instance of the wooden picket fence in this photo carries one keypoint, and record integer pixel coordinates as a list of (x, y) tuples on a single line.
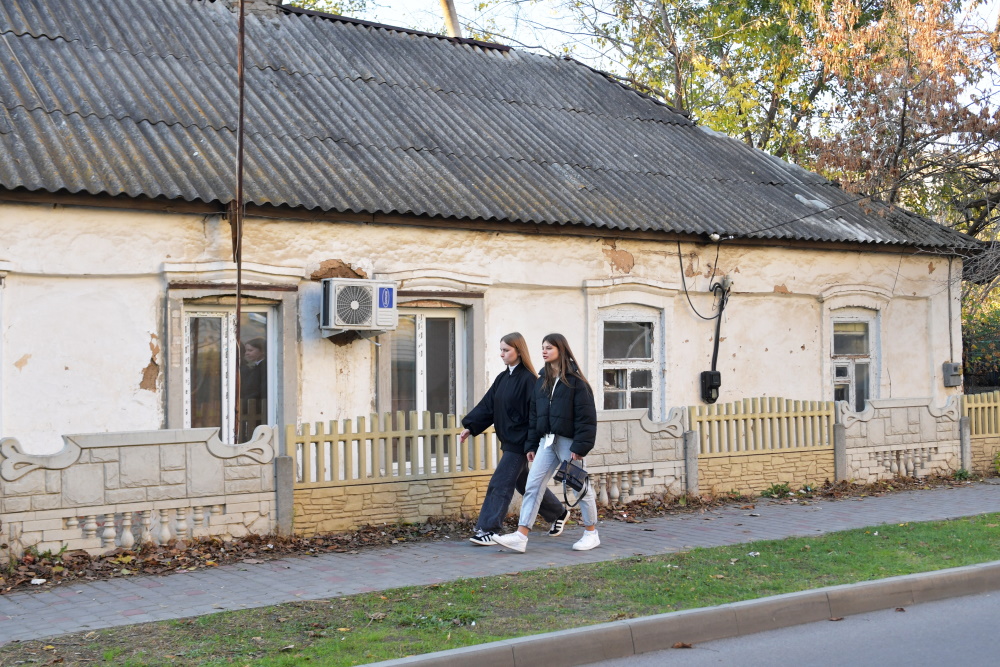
[(983, 411), (756, 425), (389, 448)]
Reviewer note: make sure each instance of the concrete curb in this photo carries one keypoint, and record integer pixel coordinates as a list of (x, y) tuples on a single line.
[(620, 639)]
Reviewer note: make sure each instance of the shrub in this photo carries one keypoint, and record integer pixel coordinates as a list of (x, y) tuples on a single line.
[(780, 490)]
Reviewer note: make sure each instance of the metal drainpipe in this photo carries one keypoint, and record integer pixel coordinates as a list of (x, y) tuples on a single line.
[(451, 18)]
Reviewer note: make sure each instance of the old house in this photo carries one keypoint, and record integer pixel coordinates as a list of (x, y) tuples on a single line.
[(492, 189)]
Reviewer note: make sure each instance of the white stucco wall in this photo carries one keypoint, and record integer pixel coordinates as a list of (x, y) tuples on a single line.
[(83, 309)]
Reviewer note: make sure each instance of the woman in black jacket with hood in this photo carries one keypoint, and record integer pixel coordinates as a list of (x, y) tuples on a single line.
[(562, 426), (505, 406)]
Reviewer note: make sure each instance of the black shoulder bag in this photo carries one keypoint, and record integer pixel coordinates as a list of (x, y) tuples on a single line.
[(573, 476)]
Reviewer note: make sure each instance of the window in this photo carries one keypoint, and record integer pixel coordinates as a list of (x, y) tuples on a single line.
[(628, 364), (852, 362), (427, 366), (211, 354)]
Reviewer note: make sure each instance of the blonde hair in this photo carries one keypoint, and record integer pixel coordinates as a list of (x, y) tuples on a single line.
[(565, 365), (516, 341)]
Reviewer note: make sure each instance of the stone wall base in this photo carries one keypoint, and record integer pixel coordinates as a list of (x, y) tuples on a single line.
[(339, 508), (752, 473)]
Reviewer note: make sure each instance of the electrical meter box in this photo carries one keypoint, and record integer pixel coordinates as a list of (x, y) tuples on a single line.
[(710, 383), (952, 374)]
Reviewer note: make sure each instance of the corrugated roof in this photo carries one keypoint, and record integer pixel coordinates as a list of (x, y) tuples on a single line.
[(138, 97)]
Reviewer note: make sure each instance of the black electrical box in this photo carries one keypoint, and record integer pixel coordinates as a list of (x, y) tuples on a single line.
[(710, 383)]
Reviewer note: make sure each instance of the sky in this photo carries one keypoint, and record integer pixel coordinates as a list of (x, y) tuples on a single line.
[(428, 16)]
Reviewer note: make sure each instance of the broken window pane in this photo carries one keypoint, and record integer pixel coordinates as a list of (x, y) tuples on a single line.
[(628, 340), (615, 378)]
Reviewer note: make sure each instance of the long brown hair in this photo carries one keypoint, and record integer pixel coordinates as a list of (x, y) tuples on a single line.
[(516, 341), (565, 365)]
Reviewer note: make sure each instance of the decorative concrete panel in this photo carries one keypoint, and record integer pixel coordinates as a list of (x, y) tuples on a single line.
[(108, 490)]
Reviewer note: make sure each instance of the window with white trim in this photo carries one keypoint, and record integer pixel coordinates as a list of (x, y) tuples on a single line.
[(428, 361), (210, 364), (854, 356), (629, 362)]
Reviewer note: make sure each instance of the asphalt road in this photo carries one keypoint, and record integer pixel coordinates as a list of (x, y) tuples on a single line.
[(959, 631)]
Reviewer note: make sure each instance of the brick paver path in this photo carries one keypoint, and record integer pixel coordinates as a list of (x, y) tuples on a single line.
[(88, 606)]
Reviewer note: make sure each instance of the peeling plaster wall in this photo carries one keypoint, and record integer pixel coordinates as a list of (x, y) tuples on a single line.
[(85, 293), (79, 348)]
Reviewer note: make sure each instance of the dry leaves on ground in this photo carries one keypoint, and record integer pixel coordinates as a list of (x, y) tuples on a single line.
[(70, 566)]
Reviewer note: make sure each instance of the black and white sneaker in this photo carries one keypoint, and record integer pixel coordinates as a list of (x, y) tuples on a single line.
[(483, 539), (556, 529)]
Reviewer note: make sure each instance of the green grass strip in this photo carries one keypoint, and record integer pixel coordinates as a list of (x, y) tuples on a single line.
[(405, 621)]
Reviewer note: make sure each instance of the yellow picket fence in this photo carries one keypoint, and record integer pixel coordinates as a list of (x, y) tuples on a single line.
[(389, 448), (756, 425), (983, 411)]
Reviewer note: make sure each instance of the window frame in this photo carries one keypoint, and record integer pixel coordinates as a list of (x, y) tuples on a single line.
[(227, 313), (420, 339), (653, 364), (850, 361), (284, 298)]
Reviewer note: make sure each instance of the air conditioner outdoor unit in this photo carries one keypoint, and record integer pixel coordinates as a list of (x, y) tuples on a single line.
[(365, 306)]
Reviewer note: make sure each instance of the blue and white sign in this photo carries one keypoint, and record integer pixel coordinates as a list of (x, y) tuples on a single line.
[(385, 297)]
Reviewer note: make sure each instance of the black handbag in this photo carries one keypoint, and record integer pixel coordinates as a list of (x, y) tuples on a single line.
[(573, 476)]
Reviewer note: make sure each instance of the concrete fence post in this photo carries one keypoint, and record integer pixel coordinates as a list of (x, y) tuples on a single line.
[(840, 470), (965, 440), (284, 484), (691, 462)]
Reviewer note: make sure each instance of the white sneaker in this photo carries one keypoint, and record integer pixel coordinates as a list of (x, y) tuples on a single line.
[(589, 541), (514, 541)]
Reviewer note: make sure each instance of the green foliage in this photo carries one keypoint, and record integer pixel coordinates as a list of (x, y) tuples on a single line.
[(981, 336), (781, 490), (962, 475), (996, 463)]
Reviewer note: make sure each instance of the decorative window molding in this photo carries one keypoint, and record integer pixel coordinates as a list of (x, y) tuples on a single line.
[(854, 352), (445, 292), (620, 300), (434, 279), (853, 303), (855, 296), (190, 289), (631, 365), (225, 272)]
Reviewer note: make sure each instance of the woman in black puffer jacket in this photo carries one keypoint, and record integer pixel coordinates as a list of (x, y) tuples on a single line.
[(505, 406), (562, 425)]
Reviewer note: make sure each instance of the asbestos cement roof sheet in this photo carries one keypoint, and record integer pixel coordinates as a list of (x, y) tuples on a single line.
[(139, 98)]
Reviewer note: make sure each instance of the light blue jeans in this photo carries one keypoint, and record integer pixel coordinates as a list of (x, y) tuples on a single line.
[(547, 460)]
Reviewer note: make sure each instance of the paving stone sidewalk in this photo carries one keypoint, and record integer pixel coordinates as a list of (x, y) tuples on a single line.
[(100, 604)]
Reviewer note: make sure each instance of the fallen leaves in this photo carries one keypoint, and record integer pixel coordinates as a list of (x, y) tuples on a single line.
[(682, 645)]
